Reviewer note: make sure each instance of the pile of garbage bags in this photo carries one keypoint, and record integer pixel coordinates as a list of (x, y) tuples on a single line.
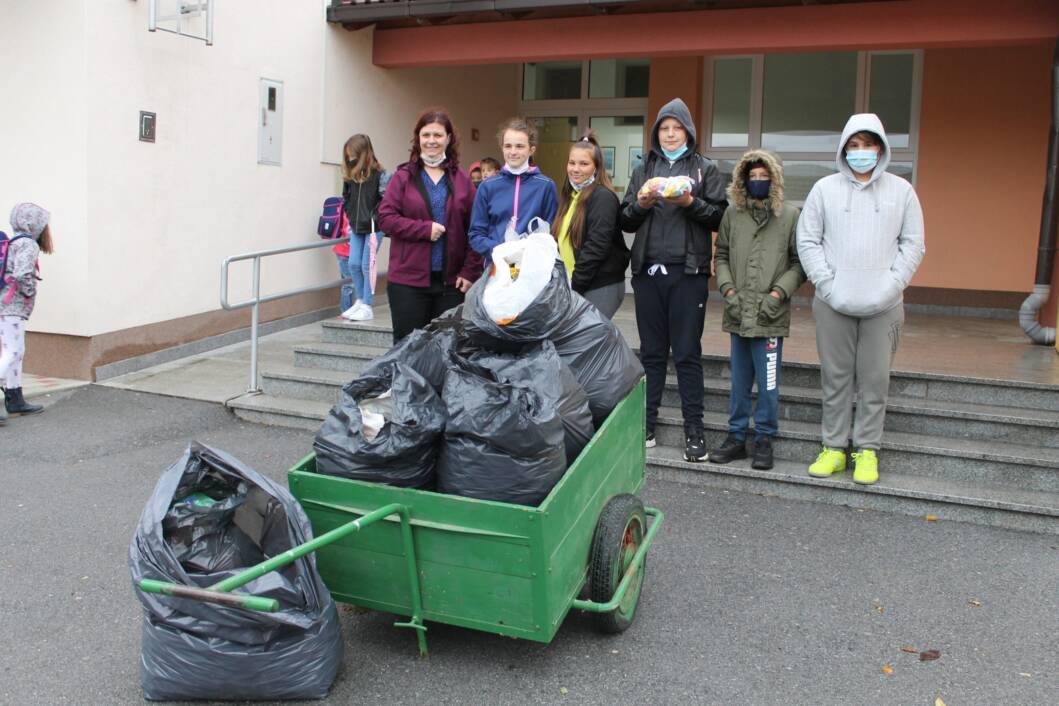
[(209, 518), (493, 400)]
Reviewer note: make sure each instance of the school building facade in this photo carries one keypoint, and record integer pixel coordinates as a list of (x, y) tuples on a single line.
[(247, 132)]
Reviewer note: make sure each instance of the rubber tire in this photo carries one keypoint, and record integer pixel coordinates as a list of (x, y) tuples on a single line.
[(604, 573)]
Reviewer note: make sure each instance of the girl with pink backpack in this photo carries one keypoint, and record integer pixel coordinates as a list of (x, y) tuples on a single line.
[(18, 293)]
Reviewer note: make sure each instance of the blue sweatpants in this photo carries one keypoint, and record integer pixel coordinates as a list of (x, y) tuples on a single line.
[(755, 359)]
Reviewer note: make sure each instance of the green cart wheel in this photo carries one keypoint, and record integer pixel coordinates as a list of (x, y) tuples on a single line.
[(619, 533)]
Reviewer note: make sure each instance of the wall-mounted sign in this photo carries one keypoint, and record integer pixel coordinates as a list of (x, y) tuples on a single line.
[(147, 125)]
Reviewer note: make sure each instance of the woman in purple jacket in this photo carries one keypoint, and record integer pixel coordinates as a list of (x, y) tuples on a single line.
[(426, 212)]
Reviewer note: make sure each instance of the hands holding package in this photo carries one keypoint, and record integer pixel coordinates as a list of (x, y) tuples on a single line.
[(675, 190)]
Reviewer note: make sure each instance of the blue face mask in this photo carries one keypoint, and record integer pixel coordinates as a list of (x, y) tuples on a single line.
[(862, 161), (758, 188), (675, 154)]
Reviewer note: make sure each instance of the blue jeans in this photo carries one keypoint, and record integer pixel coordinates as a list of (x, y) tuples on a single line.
[(760, 359), (346, 298), (360, 263)]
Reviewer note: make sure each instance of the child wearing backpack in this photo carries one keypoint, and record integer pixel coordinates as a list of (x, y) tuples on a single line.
[(363, 184), (18, 293)]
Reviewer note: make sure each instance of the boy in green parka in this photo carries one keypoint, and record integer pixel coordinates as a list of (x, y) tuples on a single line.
[(757, 273)]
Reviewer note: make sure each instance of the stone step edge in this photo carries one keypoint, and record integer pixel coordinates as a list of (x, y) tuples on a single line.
[(784, 472), (716, 357), (808, 431), (309, 409), (897, 403)]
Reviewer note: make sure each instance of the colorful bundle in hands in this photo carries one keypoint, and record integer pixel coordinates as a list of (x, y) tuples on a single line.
[(666, 187)]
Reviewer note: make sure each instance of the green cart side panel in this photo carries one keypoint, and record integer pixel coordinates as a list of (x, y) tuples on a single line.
[(474, 556), (613, 463), (496, 567)]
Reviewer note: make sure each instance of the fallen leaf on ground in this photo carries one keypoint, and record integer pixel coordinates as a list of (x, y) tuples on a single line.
[(929, 655), (939, 702), (910, 650), (1025, 674), (975, 602), (887, 669), (878, 607), (932, 518), (563, 690)]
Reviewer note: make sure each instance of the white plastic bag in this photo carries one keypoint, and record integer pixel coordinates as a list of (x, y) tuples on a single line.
[(521, 269), (375, 413)]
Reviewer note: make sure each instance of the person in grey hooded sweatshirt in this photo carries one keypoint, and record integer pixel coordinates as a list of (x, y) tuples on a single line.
[(671, 266), (860, 240)]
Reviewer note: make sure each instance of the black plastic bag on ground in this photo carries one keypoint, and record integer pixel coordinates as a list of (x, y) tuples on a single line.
[(539, 367), (585, 339), (196, 650), (404, 451), (503, 441)]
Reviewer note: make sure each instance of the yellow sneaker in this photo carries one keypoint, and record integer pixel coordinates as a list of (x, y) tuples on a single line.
[(866, 470), (829, 462)]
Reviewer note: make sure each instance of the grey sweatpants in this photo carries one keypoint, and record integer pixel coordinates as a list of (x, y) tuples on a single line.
[(855, 357), (607, 298)]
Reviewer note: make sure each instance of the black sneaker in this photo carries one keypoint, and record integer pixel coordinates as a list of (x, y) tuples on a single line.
[(695, 447), (731, 450), (762, 453), (649, 440)]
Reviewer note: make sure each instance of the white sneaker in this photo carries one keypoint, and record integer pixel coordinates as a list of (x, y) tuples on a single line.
[(350, 313), (362, 312)]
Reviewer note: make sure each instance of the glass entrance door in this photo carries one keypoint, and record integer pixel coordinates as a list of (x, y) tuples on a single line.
[(621, 138), (554, 135)]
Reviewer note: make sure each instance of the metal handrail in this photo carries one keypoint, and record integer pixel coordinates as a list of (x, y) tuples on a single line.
[(256, 300)]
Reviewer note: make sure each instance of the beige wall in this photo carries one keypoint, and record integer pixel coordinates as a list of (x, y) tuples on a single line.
[(384, 103), (43, 138), (141, 228)]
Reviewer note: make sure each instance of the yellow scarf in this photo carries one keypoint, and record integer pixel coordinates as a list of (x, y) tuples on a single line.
[(566, 250)]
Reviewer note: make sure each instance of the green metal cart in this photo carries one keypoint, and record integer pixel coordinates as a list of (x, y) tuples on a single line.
[(507, 569)]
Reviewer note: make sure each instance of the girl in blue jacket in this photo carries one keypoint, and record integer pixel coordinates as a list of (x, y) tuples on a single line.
[(517, 195)]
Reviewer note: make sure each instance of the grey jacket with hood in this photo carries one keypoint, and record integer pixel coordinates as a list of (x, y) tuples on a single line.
[(861, 242), (18, 282), (668, 234)]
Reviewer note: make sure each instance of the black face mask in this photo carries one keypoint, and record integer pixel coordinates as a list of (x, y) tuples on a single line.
[(758, 188), (351, 162)]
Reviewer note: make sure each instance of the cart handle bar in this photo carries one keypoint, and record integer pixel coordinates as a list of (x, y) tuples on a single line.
[(219, 592), (637, 561)]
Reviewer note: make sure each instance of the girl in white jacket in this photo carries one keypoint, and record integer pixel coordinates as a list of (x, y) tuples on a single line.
[(860, 240), (18, 293)]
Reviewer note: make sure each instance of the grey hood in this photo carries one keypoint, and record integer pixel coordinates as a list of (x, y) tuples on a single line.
[(863, 122), (678, 109)]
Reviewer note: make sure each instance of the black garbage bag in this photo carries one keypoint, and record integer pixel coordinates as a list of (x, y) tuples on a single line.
[(539, 367), (426, 350), (503, 441), (196, 650), (586, 340), (201, 531), (404, 450)]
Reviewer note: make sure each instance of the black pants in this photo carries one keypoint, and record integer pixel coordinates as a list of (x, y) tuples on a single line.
[(415, 307), (670, 314)]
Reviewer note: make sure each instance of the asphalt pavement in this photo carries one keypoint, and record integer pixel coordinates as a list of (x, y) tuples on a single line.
[(748, 600)]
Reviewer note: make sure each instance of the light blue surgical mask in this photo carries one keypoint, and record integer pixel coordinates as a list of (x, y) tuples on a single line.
[(583, 185), (675, 154), (862, 161)]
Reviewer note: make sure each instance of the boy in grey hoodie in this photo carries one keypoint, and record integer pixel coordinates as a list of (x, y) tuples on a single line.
[(860, 240)]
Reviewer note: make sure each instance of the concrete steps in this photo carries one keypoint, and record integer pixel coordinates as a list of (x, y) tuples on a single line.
[(960, 448), (904, 493)]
